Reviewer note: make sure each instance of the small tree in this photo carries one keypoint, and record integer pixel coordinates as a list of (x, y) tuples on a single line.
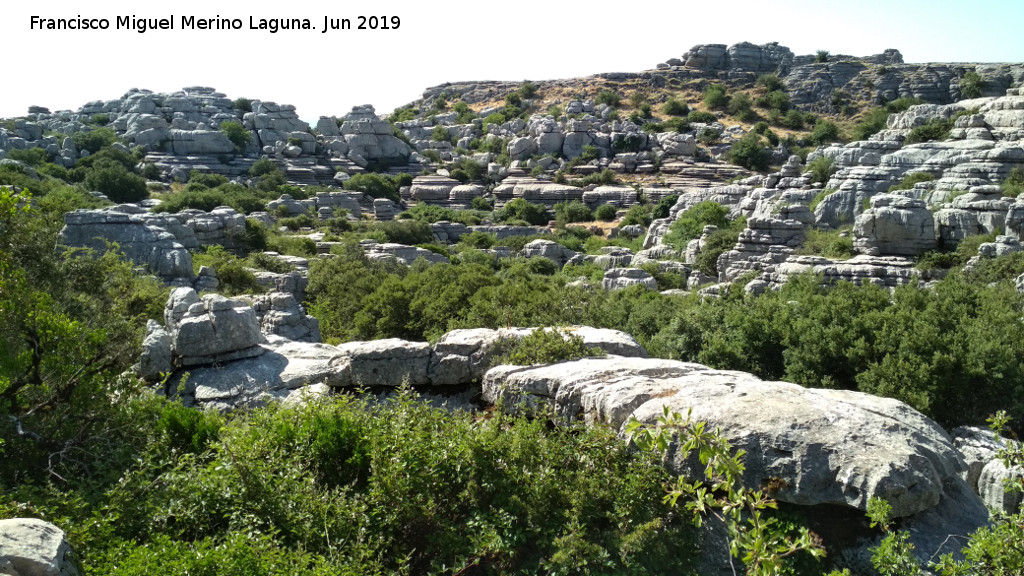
[(237, 134), (750, 153)]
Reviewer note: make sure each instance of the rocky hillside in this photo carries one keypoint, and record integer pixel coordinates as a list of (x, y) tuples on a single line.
[(819, 256)]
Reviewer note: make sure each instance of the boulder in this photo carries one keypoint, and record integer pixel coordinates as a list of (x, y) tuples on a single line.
[(553, 251), (33, 547), (141, 243), (214, 329), (895, 225), (391, 362), (619, 278), (826, 446)]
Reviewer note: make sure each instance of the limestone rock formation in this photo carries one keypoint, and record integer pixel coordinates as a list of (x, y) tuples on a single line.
[(894, 225), (33, 547), (827, 446), (143, 244)]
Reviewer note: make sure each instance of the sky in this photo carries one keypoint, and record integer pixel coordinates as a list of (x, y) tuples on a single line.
[(325, 73)]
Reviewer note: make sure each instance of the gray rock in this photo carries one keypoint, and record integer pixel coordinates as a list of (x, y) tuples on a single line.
[(156, 359), (828, 446), (144, 245), (390, 362), (553, 251), (619, 278), (895, 225), (213, 327), (33, 547)]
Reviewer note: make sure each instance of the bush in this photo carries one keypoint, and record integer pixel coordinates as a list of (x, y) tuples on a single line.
[(674, 107), (520, 209), (936, 129), (690, 224), (237, 134), (715, 97), (208, 180), (605, 212), (232, 273), (824, 132), (971, 85), (640, 215), (117, 183), (546, 346), (910, 180), (830, 244), (572, 211), (430, 213), (242, 104), (662, 210), (821, 168), (708, 136), (93, 140), (612, 99), (750, 153), (374, 186), (740, 107), (872, 123), (262, 167), (1014, 184), (30, 156), (821, 56), (242, 199), (701, 117), (440, 134), (482, 204), (769, 82)]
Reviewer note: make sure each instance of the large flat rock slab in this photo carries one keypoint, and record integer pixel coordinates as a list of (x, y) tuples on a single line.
[(827, 446)]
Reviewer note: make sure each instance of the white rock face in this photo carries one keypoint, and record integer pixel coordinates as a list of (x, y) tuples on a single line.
[(390, 362), (895, 225), (828, 446), (32, 547)]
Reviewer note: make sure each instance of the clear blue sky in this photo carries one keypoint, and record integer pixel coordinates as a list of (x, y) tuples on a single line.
[(326, 74)]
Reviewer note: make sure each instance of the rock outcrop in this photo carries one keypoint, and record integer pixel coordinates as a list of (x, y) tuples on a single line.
[(32, 547)]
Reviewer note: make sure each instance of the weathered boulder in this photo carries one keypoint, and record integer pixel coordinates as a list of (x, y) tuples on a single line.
[(33, 547), (390, 362), (827, 446), (894, 225), (215, 327), (281, 314), (465, 355), (400, 252), (547, 249), (619, 278), (144, 245)]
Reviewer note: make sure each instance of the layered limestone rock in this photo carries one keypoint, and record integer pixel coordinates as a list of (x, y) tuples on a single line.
[(894, 225), (827, 446), (553, 251), (620, 278), (986, 473), (400, 252), (145, 245), (773, 238), (371, 139), (279, 313), (884, 271)]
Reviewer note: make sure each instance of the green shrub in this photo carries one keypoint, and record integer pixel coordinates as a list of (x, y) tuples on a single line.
[(605, 212), (1014, 184), (750, 153), (720, 241), (93, 140), (830, 244), (825, 131), (701, 117), (208, 180), (572, 211), (715, 97), (496, 118), (640, 214), (740, 107), (872, 123), (662, 210), (520, 209), (374, 185), (910, 180), (612, 99), (242, 199), (821, 56), (297, 222), (481, 204), (237, 134), (971, 85), (30, 156), (477, 239), (821, 168), (430, 213), (821, 196), (440, 134), (690, 223), (262, 167), (546, 346), (674, 107), (769, 82), (232, 273), (117, 183), (936, 129)]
